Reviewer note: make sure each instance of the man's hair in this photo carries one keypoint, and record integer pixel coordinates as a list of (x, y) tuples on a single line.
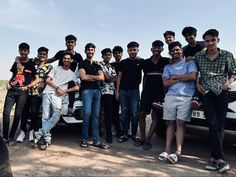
[(132, 44), (211, 32), (171, 33), (173, 44), (24, 45), (90, 45), (117, 49), (68, 53), (43, 49), (106, 50), (157, 43), (70, 37), (189, 30)]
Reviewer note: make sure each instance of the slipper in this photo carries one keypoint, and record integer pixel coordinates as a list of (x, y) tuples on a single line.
[(138, 142), (147, 146), (122, 139), (163, 156), (101, 145), (173, 158)]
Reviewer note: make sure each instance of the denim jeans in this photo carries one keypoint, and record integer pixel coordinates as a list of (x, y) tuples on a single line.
[(215, 109), (13, 97), (129, 102), (51, 104), (91, 108)]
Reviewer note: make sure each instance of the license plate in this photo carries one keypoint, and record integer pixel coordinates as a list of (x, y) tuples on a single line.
[(198, 114)]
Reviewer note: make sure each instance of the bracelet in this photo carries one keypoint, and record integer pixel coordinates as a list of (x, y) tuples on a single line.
[(28, 87), (57, 88)]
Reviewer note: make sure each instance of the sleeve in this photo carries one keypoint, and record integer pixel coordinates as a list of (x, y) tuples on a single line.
[(13, 68), (231, 66), (52, 72), (81, 65), (58, 55), (34, 69), (192, 67), (120, 66), (166, 72)]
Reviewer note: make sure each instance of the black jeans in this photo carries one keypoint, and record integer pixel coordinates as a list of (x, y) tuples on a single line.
[(71, 95), (116, 116), (107, 103), (31, 111), (13, 97), (215, 109)]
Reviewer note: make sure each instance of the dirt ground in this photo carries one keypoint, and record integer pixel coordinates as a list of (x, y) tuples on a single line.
[(65, 157)]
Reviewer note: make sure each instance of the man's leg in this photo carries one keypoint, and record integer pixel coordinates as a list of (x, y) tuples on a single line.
[(71, 96), (87, 98), (25, 114), (124, 112), (116, 116), (95, 115), (142, 125), (180, 133), (170, 133), (9, 102)]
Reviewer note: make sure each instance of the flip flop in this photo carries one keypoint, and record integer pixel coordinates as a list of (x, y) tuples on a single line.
[(101, 145), (173, 158), (163, 156)]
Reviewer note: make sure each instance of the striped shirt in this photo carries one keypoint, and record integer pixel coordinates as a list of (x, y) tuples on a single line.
[(213, 73)]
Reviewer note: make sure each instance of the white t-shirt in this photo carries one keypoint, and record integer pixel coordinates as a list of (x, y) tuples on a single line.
[(60, 77)]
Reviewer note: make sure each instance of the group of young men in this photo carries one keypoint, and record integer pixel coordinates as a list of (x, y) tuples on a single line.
[(170, 83)]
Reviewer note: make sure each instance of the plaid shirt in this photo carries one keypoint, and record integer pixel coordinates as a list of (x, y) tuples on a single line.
[(213, 73)]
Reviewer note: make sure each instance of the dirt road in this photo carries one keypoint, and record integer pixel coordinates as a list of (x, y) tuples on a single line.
[(65, 158)]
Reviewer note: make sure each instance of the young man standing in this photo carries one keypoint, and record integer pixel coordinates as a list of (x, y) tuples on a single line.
[(57, 87), (217, 71), (129, 78), (169, 37), (34, 100), (108, 91), (117, 54), (74, 66), (91, 75), (178, 78), (153, 90), (24, 77)]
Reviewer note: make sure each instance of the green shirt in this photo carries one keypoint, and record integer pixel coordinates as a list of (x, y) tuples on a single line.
[(213, 73)]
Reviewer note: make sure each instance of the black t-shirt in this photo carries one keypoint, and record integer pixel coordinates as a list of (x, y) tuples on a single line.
[(191, 51), (153, 74), (23, 74), (131, 73), (90, 69), (116, 66), (77, 59)]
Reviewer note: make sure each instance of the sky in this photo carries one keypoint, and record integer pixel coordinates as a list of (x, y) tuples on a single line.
[(107, 23)]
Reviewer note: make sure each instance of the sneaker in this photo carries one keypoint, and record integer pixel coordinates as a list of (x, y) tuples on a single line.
[(211, 165), (31, 135), (37, 135), (223, 167), (21, 137), (157, 105)]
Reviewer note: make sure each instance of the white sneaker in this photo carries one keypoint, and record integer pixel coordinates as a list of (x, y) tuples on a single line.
[(21, 137), (31, 135), (37, 135)]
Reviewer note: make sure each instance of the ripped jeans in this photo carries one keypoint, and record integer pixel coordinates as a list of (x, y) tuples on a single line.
[(51, 111)]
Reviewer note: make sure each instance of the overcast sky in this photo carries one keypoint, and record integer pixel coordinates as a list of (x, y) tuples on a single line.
[(107, 23)]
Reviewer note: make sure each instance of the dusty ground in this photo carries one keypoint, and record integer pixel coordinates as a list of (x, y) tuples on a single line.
[(65, 157)]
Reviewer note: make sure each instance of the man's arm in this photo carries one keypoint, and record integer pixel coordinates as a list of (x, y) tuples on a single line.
[(73, 89), (118, 84), (32, 84), (51, 60)]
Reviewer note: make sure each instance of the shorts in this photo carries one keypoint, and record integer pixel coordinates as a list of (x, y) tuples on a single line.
[(147, 98), (177, 107)]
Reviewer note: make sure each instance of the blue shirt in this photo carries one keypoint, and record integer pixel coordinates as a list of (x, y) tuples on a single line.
[(184, 88)]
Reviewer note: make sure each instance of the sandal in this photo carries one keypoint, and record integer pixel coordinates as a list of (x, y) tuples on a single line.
[(138, 142), (122, 139), (163, 156), (84, 144), (173, 158), (147, 146), (101, 145)]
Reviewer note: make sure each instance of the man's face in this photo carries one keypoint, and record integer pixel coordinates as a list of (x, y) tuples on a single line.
[(89, 52), (117, 55), (42, 56), (107, 57), (133, 52), (211, 42), (70, 44), (156, 51), (190, 38), (24, 53), (169, 39), (176, 52), (67, 60)]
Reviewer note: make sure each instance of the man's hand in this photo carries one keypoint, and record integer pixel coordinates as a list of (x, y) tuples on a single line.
[(225, 86), (24, 88), (60, 91), (117, 94), (199, 88), (8, 86)]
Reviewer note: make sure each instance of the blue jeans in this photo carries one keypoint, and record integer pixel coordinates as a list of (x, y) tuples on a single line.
[(129, 102), (91, 108), (51, 104)]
